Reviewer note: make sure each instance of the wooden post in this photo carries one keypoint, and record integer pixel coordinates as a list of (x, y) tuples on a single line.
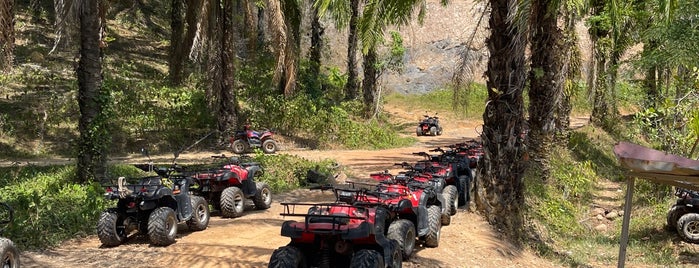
[(625, 224)]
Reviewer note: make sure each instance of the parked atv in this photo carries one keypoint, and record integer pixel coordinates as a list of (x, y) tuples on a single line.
[(684, 215), (446, 194), (244, 140), (346, 233), (152, 205), (429, 126), (9, 254), (228, 185)]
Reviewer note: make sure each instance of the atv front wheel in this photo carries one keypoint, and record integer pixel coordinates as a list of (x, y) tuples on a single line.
[(674, 214), (162, 226), (232, 202), (8, 254), (367, 258), (435, 226), (451, 197), (688, 227), (111, 229), (269, 146), (200, 214), (433, 131), (396, 255), (263, 198), (287, 257), (403, 231), (239, 147), (418, 131)]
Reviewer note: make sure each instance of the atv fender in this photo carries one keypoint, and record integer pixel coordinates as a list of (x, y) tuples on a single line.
[(249, 188), (380, 222), (183, 201), (422, 224)]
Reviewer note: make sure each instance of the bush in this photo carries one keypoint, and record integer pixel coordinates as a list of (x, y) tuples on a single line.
[(285, 172)]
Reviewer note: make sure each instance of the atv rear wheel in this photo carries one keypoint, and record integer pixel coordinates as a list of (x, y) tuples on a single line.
[(263, 198), (232, 202), (239, 147), (396, 255), (9, 254), (200, 214), (418, 131), (451, 197), (674, 214), (162, 226), (435, 226), (287, 257), (433, 131), (403, 231), (269, 146), (688, 227), (367, 258), (111, 229)]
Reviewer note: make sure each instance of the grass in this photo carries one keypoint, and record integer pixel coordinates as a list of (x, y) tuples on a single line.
[(441, 101)]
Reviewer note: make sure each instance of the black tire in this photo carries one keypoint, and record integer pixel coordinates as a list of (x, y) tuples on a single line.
[(9, 254), (239, 147), (200, 214), (433, 131), (162, 226), (451, 197), (418, 131), (434, 225), (688, 227), (111, 229), (674, 214), (287, 257), (367, 258), (232, 202), (269, 146), (403, 232), (263, 198), (396, 255), (472, 188), (463, 182)]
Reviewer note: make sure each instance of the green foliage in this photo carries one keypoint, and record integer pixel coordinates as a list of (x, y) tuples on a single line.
[(668, 127), (440, 101), (49, 207), (285, 172)]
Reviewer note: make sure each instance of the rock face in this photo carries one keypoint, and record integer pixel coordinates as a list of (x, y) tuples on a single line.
[(433, 50)]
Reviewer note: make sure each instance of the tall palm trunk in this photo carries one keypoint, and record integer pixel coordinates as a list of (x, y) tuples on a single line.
[(546, 79), (317, 31), (7, 35), (176, 42), (91, 100), (503, 165), (352, 86), (227, 103), (369, 85)]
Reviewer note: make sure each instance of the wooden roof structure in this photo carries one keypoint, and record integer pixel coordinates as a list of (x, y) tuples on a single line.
[(657, 166)]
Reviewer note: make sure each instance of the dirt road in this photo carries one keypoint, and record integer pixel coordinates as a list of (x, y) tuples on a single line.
[(248, 241)]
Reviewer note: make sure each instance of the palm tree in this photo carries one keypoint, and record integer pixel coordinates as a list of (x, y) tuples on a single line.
[(503, 140), (345, 14), (176, 42), (545, 78), (7, 35), (91, 96)]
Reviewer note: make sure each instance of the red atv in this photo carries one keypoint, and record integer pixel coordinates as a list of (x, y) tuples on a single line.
[(243, 141), (417, 209), (429, 126), (228, 185), (345, 233), (417, 174)]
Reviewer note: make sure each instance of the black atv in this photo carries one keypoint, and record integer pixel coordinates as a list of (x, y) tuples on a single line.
[(152, 205), (9, 254), (684, 215), (429, 126)]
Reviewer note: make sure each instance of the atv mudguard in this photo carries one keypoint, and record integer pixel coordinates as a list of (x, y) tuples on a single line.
[(183, 201), (380, 224), (249, 187)]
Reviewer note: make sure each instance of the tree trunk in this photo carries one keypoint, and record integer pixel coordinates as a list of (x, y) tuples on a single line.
[(7, 35), (369, 84), (228, 104), (91, 99), (546, 80), (503, 142), (176, 43), (317, 31), (352, 86)]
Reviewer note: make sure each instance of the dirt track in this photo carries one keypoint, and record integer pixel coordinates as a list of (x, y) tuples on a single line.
[(248, 241)]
